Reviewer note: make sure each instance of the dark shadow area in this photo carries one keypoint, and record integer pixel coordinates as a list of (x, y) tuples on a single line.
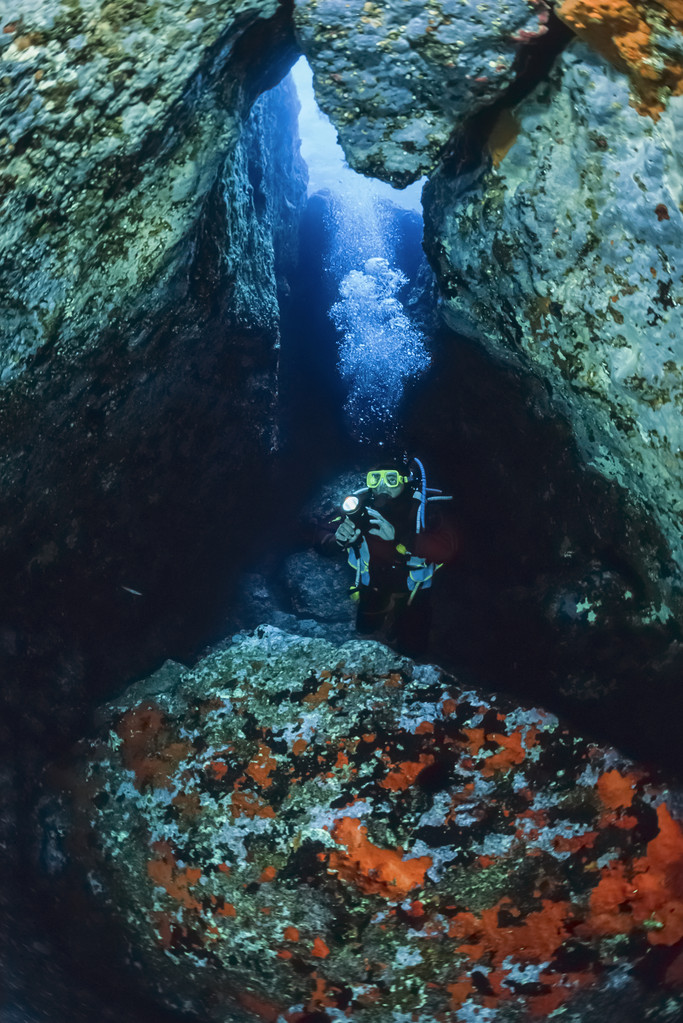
[(548, 599)]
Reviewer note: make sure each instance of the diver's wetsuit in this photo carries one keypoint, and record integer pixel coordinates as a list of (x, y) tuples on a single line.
[(384, 602)]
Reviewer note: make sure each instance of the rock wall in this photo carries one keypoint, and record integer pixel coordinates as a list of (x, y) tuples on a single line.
[(145, 236), (565, 252), (396, 78), (117, 119), (132, 456)]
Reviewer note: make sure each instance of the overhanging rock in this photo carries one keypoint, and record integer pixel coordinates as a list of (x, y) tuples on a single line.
[(116, 121), (396, 78)]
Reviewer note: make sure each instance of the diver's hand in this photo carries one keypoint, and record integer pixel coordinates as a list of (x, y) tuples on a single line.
[(347, 533), (383, 529)]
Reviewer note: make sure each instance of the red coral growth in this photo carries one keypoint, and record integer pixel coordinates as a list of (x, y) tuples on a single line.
[(163, 924), (259, 1006), (165, 873), (645, 894), (475, 739), (249, 805), (404, 774), (616, 790), (262, 766), (425, 728), (607, 899), (227, 909), (146, 748), (460, 991), (512, 753), (375, 871), (321, 995), (320, 949), (575, 842), (536, 939), (321, 695), (620, 31)]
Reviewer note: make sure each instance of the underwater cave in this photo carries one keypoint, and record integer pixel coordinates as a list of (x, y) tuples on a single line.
[(220, 306)]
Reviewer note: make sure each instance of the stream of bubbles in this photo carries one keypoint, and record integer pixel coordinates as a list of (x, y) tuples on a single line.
[(379, 348)]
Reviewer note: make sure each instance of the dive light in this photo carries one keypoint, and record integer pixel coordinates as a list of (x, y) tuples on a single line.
[(354, 507)]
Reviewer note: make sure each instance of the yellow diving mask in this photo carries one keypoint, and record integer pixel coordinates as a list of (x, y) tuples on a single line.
[(391, 477)]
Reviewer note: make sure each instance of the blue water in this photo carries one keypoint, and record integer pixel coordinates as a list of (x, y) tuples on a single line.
[(379, 348)]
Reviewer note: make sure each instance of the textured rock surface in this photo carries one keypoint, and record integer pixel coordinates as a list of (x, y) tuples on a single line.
[(567, 254), (294, 828), (121, 450), (641, 38), (116, 120), (123, 457), (397, 78)]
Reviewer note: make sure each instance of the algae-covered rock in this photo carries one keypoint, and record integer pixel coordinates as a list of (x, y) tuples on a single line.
[(397, 77), (131, 412), (294, 831), (116, 119), (566, 254)]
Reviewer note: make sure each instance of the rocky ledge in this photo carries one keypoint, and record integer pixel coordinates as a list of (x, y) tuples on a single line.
[(293, 831)]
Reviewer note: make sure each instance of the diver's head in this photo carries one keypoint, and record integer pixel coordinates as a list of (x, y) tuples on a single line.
[(387, 480)]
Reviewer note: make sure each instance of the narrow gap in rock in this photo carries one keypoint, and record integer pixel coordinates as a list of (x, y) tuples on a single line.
[(533, 63)]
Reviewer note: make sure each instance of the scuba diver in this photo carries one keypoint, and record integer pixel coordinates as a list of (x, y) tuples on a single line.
[(396, 537)]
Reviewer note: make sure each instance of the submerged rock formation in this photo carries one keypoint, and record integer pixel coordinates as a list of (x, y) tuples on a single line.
[(149, 226), (142, 313), (560, 246), (294, 831), (397, 78), (566, 255), (117, 120), (400, 842)]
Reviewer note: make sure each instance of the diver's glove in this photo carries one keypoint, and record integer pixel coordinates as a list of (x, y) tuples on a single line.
[(347, 533), (380, 527)]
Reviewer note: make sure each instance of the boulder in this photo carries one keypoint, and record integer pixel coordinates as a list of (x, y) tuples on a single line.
[(295, 831)]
